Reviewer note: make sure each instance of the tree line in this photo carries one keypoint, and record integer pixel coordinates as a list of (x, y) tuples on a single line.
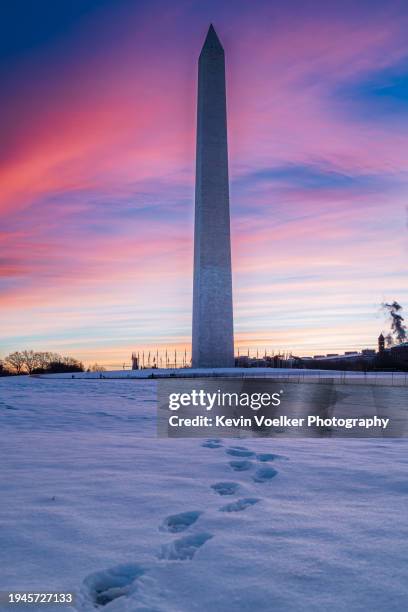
[(35, 362)]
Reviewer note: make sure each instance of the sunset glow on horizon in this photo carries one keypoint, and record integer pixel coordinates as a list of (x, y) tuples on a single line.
[(97, 174)]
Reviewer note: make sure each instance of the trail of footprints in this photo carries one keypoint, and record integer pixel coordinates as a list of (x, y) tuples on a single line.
[(102, 588), (243, 461)]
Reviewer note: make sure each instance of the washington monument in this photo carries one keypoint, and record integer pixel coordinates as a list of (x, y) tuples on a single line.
[(213, 335)]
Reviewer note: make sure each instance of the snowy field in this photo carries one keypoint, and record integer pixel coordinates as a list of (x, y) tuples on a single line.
[(92, 501)]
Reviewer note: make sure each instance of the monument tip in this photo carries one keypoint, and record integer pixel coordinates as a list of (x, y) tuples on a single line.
[(212, 41)]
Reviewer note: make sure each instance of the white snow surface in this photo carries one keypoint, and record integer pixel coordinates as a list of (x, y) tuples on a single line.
[(92, 501)]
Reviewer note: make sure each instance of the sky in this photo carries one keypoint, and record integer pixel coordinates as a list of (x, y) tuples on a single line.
[(97, 160)]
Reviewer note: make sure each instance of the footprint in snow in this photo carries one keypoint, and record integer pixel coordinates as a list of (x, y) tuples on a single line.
[(239, 451), (264, 473), (101, 588), (176, 523), (184, 548), (212, 443), (225, 488), (263, 457), (240, 504), (240, 466)]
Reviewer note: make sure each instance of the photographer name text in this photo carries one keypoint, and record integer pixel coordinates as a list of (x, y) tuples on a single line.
[(282, 421)]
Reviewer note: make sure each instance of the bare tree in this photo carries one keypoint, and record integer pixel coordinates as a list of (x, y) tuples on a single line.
[(398, 329), (43, 359), (97, 368), (64, 364), (31, 360), (16, 361), (35, 361)]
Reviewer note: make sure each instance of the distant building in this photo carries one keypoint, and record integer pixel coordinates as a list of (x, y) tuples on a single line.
[(386, 359), (399, 355)]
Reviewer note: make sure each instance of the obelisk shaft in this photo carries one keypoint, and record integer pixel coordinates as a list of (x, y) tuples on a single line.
[(213, 340)]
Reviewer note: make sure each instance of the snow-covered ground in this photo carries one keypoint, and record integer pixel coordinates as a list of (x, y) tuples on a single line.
[(93, 501)]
